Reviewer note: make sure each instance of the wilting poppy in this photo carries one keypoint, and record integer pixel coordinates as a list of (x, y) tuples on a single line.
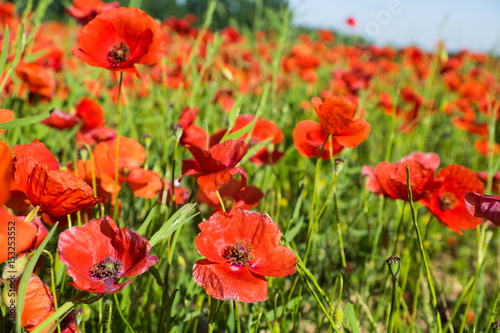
[(308, 138), (233, 195), (241, 248), (484, 206), (448, 203), (85, 10), (391, 178), (336, 118), (143, 183), (116, 253), (216, 166), (120, 38)]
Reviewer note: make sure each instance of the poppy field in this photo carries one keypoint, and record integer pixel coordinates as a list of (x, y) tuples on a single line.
[(160, 175)]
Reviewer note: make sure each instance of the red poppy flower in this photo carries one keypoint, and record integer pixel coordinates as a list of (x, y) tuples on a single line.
[(191, 133), (308, 138), (262, 131), (233, 195), (216, 166), (29, 235), (85, 10), (60, 120), (5, 116), (351, 21), (336, 118), (38, 304), (6, 170), (484, 206), (143, 183), (241, 248), (38, 79), (116, 253), (448, 203), (391, 178), (90, 112), (120, 38)]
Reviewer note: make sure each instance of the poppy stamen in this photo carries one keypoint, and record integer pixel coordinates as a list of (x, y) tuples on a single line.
[(118, 54), (107, 268), (447, 201), (239, 254)]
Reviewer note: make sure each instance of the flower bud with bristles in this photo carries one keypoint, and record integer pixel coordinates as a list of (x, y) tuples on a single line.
[(394, 264), (14, 269)]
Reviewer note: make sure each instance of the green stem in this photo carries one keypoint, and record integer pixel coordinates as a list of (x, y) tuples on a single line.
[(422, 251), (393, 302), (221, 202), (237, 317), (121, 313), (110, 313), (53, 284), (493, 311), (117, 155)]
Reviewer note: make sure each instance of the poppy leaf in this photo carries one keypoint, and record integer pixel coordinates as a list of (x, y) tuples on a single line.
[(24, 121), (174, 222), (238, 134), (146, 222), (23, 284)]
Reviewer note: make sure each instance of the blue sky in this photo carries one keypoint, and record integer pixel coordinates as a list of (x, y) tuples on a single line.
[(474, 25)]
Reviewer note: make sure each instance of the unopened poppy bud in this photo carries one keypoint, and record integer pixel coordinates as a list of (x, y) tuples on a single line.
[(339, 164), (339, 316), (15, 268), (86, 312), (394, 265), (79, 315), (147, 140), (8, 294), (496, 326), (178, 130)]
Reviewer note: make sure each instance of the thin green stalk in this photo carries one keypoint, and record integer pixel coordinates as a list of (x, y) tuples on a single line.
[(121, 313), (221, 202), (399, 228), (493, 311), (339, 231), (236, 317), (53, 284), (117, 155), (110, 313), (422, 251), (393, 302)]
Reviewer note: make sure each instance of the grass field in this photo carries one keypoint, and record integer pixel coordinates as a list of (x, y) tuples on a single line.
[(290, 152)]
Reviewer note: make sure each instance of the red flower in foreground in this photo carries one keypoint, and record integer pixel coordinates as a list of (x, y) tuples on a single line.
[(85, 10), (241, 248), (115, 253), (336, 118), (308, 138), (484, 206), (448, 203), (216, 166), (390, 179), (120, 38)]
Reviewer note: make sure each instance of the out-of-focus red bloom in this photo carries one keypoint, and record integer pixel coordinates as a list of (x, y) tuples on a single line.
[(5, 116), (29, 235), (143, 183), (308, 138), (6, 170), (484, 206), (233, 195), (471, 126), (120, 38), (115, 253), (7, 13), (181, 194), (351, 21), (39, 80), (90, 112), (216, 166), (225, 99), (60, 120), (483, 147), (390, 179), (263, 130), (448, 203), (326, 35), (241, 248), (85, 10), (191, 133), (38, 304), (336, 118)]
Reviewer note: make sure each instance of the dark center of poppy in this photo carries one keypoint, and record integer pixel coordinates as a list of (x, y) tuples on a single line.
[(239, 254), (119, 53), (446, 201), (109, 267), (125, 171)]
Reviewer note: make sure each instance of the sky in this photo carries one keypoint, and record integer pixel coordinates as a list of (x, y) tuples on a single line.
[(472, 25)]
